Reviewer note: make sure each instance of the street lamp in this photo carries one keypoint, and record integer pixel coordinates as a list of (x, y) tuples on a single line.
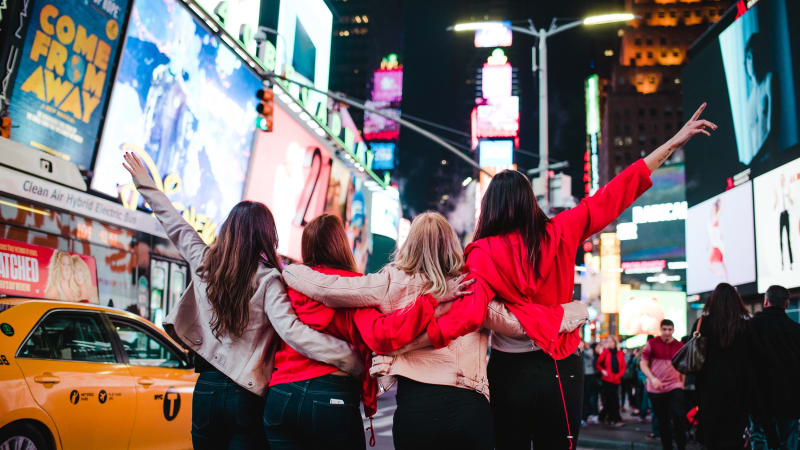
[(542, 35)]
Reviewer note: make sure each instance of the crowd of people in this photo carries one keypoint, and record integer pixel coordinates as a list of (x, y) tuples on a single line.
[(285, 353), (745, 396)]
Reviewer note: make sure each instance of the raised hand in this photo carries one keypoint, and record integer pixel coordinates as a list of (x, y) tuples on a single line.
[(141, 177), (692, 128)]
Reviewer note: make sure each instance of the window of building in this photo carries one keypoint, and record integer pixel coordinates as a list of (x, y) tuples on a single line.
[(673, 14), (687, 13), (628, 140), (627, 128), (663, 53), (641, 112), (698, 13), (641, 126), (617, 141), (661, 14), (617, 115), (676, 53), (617, 129), (648, 15), (668, 111), (650, 55), (618, 158), (642, 140), (649, 42), (637, 41), (638, 55), (653, 112), (652, 79)]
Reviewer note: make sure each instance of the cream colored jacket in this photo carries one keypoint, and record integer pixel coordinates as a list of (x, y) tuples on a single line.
[(247, 360), (462, 363)]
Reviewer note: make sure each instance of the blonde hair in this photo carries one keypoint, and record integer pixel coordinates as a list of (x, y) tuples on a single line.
[(432, 250), (54, 277), (81, 270)]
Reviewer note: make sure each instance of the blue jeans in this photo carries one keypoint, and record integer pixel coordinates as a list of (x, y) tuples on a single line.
[(318, 413), (786, 430), (225, 415)]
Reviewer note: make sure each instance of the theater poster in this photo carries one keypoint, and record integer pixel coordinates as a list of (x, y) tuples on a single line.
[(65, 66), (28, 270)]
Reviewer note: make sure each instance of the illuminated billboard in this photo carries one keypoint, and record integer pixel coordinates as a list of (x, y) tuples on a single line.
[(498, 117), (386, 213), (777, 216), (495, 153), (306, 28), (641, 312), (719, 241), (64, 71), (591, 175), (387, 85), (496, 81), (185, 102), (384, 155), (494, 34), (378, 127), (238, 13)]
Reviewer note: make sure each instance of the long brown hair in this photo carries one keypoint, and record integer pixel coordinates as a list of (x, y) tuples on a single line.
[(727, 314), (248, 237), (510, 205), (324, 243)]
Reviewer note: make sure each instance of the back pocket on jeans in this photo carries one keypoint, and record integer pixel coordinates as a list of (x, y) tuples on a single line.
[(202, 409), (275, 406), (336, 422)]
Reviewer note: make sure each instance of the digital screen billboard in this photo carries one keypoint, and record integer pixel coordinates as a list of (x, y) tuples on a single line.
[(498, 117), (777, 215), (384, 155), (749, 76), (64, 71), (185, 102), (641, 312), (494, 34), (379, 127), (495, 153), (496, 80), (387, 85), (719, 241), (348, 198), (386, 213), (306, 29)]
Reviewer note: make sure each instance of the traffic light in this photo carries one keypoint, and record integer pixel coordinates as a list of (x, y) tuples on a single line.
[(5, 127), (264, 108)]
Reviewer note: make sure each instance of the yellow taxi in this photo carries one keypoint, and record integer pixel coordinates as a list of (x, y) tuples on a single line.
[(80, 376)]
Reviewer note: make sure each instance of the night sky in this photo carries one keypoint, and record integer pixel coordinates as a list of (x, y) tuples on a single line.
[(437, 64)]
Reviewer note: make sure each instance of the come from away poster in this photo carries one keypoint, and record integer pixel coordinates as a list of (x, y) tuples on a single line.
[(60, 88)]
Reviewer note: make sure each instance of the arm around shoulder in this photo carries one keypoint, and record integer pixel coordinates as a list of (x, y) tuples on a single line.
[(337, 291)]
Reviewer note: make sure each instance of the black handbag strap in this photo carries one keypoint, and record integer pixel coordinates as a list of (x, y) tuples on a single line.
[(696, 333)]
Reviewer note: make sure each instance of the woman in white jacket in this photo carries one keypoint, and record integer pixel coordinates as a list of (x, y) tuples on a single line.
[(229, 316)]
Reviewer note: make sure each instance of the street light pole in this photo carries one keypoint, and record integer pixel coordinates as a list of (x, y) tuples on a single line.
[(544, 142)]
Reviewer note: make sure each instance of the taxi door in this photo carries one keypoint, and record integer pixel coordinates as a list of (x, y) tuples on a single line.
[(164, 385), (72, 372)]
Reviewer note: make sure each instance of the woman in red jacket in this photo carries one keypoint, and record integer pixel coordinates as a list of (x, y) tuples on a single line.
[(528, 260), (611, 365), (311, 404)]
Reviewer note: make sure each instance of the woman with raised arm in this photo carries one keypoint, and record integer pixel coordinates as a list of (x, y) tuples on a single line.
[(527, 260), (442, 394), (229, 317)]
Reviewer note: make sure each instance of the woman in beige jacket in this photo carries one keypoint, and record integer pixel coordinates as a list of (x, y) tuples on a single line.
[(233, 315), (442, 394)]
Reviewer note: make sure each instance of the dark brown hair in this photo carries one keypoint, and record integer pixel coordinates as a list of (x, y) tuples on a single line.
[(325, 243), (510, 205), (248, 237), (726, 314)]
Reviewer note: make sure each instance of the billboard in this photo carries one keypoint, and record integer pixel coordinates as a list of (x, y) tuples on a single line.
[(498, 117), (777, 213), (185, 103), (386, 213), (719, 241), (749, 76), (497, 80), (641, 312), (384, 155), (28, 270), (377, 127), (306, 29), (494, 34), (387, 85), (64, 70), (495, 153)]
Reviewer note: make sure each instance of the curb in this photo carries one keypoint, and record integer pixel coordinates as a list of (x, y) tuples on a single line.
[(618, 445)]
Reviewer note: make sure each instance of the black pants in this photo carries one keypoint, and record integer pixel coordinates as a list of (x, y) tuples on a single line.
[(526, 400), (669, 409), (784, 223), (318, 413), (610, 410), (626, 392), (591, 391), (225, 415), (431, 416)]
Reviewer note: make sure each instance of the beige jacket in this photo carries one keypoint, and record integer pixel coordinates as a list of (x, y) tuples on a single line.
[(461, 364), (247, 360)]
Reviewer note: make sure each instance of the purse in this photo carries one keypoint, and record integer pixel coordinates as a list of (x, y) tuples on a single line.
[(691, 357)]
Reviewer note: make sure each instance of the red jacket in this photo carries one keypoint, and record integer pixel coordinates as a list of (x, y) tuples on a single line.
[(501, 269), (366, 328), (604, 365)]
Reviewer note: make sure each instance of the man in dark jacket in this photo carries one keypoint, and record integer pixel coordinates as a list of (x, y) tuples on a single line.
[(777, 357)]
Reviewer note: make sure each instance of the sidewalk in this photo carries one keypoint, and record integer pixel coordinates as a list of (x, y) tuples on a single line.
[(632, 436)]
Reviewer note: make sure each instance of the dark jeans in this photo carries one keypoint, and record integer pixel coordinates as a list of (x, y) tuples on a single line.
[(526, 400), (626, 392), (318, 413), (784, 223), (431, 416), (610, 410), (668, 408), (225, 415), (785, 430), (591, 391)]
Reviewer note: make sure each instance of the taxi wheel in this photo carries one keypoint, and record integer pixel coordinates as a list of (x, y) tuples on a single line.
[(21, 436)]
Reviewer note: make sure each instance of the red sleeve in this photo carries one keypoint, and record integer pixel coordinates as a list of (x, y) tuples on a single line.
[(311, 312), (465, 316), (601, 361), (595, 213), (385, 333)]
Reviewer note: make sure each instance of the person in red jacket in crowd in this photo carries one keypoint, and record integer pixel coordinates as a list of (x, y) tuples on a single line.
[(527, 260), (311, 404), (611, 365)]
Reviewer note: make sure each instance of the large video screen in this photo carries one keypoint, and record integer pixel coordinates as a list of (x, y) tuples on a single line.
[(641, 312), (719, 241), (748, 74), (777, 212), (185, 102)]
